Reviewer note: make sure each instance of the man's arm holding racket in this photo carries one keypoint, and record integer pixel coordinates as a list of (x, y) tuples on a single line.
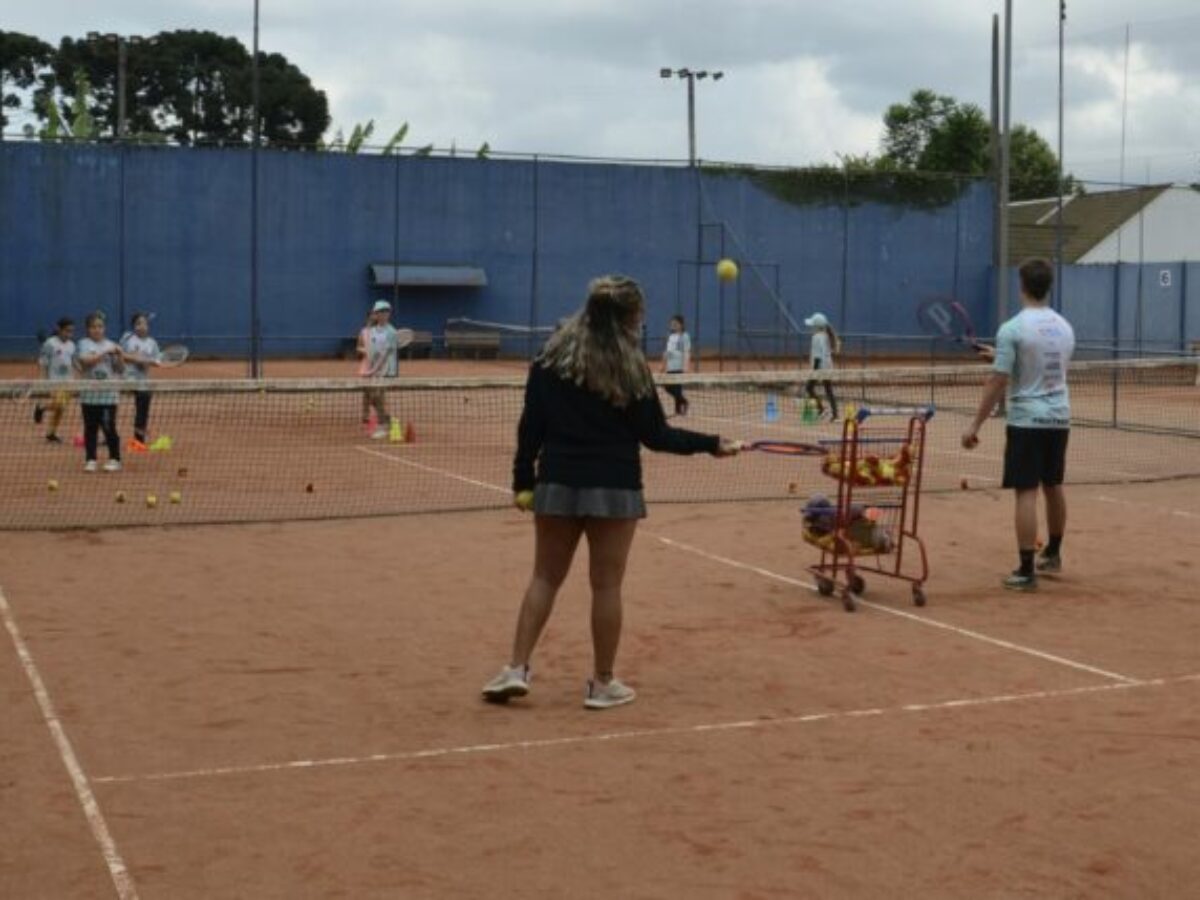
[(1003, 356)]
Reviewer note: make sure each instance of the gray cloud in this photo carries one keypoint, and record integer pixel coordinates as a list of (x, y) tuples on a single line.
[(806, 80)]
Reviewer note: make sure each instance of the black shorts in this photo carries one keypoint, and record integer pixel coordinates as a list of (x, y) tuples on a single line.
[(1035, 456)]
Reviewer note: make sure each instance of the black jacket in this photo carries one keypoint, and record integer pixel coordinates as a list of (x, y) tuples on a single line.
[(580, 439)]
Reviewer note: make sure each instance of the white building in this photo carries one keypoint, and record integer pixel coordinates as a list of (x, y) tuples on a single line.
[(1154, 224)]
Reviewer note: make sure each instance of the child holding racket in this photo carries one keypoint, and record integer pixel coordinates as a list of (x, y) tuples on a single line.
[(379, 348), (57, 363), (590, 402), (825, 345), (677, 359), (101, 361), (141, 352), (1030, 359)]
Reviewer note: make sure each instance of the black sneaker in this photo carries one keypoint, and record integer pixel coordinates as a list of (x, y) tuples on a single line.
[(53, 439), (1049, 565), (39, 413), (1020, 582)]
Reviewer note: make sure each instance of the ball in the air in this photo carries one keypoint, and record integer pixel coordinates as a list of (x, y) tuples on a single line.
[(151, 501), (52, 485), (727, 270), (176, 497), (120, 496), (525, 500)]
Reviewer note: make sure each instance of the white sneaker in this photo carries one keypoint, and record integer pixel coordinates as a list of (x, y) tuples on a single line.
[(379, 434), (602, 696), (513, 681), (113, 465), (90, 466)]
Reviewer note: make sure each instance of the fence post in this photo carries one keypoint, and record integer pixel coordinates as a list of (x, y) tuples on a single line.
[(1116, 353), (534, 263)]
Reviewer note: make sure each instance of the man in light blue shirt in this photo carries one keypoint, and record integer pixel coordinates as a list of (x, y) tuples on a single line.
[(1033, 350)]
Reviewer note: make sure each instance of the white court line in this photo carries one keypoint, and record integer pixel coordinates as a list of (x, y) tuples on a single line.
[(435, 471), (117, 870), (775, 576), (923, 620), (1182, 513), (643, 733)]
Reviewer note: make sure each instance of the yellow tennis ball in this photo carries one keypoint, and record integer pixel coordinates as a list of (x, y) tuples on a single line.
[(525, 500), (151, 501), (120, 496), (52, 484), (176, 497), (727, 270)]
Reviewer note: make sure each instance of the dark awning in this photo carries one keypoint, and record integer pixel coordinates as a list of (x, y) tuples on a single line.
[(386, 275)]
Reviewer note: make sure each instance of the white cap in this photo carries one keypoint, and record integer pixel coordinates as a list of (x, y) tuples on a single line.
[(381, 306), (816, 320)]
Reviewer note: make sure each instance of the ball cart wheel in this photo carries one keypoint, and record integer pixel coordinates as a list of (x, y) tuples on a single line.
[(857, 584), (918, 595), (825, 587), (848, 601)]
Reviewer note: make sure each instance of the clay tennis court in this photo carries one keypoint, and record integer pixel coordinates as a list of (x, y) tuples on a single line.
[(291, 709)]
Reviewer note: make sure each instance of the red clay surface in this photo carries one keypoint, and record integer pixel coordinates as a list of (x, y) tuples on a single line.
[(1042, 745)]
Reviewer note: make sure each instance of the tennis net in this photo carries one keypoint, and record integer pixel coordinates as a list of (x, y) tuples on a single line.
[(244, 451)]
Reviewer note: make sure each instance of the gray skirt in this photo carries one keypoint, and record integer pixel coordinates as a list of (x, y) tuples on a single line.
[(597, 503)]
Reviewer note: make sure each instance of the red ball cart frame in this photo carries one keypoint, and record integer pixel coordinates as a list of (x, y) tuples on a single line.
[(874, 522)]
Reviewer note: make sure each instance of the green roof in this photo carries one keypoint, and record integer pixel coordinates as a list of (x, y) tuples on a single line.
[(1087, 220)]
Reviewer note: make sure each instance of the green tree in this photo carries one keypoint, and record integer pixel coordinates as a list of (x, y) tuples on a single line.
[(934, 133), (908, 126), (194, 86), (23, 58)]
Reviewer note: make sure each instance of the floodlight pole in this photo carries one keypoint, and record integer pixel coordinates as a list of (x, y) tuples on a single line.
[(121, 63), (255, 326), (1006, 121), (1057, 296), (691, 88), (691, 77)]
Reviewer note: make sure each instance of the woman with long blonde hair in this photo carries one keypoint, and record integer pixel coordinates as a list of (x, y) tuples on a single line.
[(589, 403)]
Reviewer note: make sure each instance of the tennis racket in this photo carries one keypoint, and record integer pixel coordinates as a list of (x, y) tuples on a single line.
[(785, 448), (172, 355), (947, 318)]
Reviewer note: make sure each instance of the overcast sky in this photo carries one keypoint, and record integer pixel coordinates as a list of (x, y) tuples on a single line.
[(805, 80)]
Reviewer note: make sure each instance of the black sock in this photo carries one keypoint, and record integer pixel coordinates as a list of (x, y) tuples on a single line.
[(1052, 548), (1026, 563)]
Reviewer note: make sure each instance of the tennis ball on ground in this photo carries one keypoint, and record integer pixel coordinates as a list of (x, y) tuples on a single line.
[(176, 497), (964, 484), (52, 485), (727, 270), (120, 496), (151, 501), (525, 500), (182, 472), (308, 488)]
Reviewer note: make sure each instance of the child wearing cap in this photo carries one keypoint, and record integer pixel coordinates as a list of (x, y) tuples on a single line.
[(825, 344), (379, 350)]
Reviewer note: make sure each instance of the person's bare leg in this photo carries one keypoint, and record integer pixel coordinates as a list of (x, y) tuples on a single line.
[(555, 543), (1026, 527), (1056, 510), (608, 551)]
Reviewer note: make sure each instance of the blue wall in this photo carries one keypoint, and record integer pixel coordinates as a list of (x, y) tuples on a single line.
[(166, 229), (1151, 308)]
